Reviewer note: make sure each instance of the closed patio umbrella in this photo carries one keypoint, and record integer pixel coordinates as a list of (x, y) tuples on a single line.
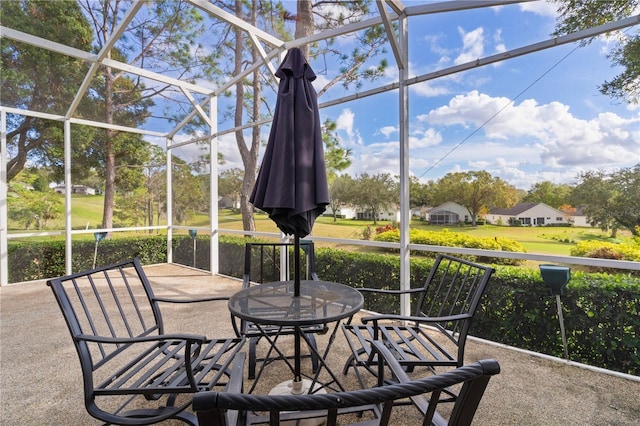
[(292, 182)]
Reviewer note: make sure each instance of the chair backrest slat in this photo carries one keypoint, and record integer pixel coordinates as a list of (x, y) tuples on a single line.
[(454, 286), (268, 262), (114, 301)]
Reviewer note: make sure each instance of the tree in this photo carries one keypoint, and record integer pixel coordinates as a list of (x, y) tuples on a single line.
[(626, 201), (187, 191), (375, 193), (341, 190), (420, 195), (141, 183), (155, 184), (230, 184), (336, 157), (40, 80), (594, 193), (578, 15), (31, 202), (477, 191), (569, 212), (249, 104), (164, 38), (552, 194)]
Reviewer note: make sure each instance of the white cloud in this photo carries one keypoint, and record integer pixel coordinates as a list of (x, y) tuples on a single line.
[(424, 138), (542, 8), (473, 45), (345, 122), (375, 158), (429, 89), (388, 130), (548, 135)]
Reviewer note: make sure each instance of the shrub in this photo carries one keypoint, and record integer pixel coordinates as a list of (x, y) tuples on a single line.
[(628, 250), (601, 311), (455, 239)]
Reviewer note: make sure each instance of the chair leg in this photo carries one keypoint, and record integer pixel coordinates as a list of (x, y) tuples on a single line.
[(252, 357), (315, 363), (351, 362)]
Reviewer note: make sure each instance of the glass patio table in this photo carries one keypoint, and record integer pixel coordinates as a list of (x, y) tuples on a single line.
[(274, 304)]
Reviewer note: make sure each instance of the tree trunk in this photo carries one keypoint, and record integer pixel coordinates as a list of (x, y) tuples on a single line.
[(304, 23), (249, 156), (110, 160)]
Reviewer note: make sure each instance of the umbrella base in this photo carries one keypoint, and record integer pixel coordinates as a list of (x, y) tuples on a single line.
[(297, 388)]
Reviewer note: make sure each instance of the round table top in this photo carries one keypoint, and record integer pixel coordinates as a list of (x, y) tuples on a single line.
[(274, 303)]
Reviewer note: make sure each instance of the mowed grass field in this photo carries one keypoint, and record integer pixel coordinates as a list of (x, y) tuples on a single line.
[(87, 213), (547, 240)]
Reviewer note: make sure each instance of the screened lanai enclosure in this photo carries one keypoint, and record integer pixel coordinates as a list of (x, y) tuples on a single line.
[(150, 103)]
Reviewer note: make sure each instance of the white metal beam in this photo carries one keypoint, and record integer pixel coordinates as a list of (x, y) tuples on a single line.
[(4, 211), (235, 21), (452, 6), (403, 129), (197, 107), (547, 44), (391, 34), (57, 117), (101, 55), (93, 58)]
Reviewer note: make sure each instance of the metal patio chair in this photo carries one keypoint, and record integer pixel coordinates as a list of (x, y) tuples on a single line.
[(436, 333), (134, 373), (270, 262), (211, 407)]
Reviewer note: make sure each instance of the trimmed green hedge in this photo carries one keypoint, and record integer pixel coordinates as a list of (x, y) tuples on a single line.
[(36, 260), (601, 311), (456, 239)]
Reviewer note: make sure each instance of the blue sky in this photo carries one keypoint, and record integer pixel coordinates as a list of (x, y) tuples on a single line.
[(525, 120)]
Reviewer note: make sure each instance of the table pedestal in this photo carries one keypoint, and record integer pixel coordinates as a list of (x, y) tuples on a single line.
[(287, 388)]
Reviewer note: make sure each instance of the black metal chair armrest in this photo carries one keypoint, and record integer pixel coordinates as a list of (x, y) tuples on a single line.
[(211, 406), (387, 291), (198, 300), (392, 317), (193, 338)]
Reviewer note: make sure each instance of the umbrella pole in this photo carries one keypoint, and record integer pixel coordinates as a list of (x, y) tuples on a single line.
[(296, 293), (296, 267)]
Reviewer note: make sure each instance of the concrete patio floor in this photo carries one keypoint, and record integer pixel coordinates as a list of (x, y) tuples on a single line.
[(41, 382)]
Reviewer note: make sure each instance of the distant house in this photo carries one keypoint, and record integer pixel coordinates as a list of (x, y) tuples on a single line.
[(448, 213), (392, 214), (75, 189), (579, 218), (345, 212), (421, 212), (226, 202), (528, 214)]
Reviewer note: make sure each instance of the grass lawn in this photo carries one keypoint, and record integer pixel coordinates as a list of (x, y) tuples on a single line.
[(87, 212), (546, 240)]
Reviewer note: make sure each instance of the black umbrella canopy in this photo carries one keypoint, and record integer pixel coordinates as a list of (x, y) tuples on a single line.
[(292, 183)]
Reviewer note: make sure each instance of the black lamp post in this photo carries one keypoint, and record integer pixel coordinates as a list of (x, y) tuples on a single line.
[(556, 278)]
